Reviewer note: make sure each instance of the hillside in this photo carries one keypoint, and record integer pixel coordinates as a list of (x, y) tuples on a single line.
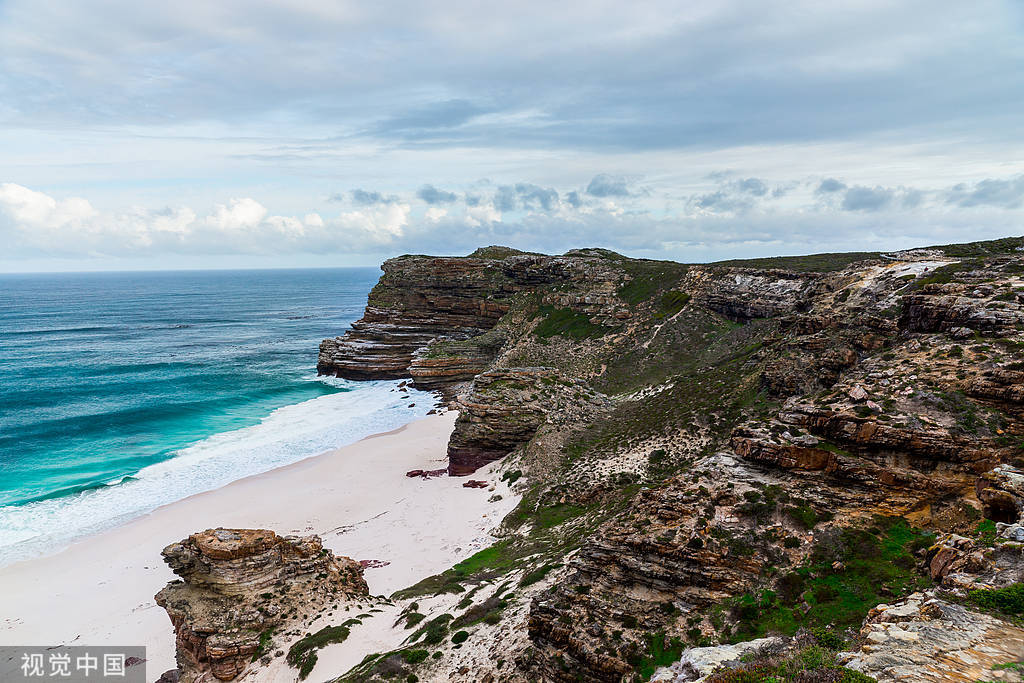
[(823, 451)]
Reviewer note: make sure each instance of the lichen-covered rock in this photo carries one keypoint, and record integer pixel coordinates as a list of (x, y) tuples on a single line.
[(698, 662), (237, 586), (923, 638)]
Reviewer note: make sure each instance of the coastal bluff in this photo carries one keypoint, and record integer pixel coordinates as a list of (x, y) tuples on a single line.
[(767, 451)]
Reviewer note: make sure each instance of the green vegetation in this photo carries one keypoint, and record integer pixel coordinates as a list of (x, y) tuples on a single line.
[(986, 532), (460, 637), (845, 576), (263, 644), (538, 574), (497, 252), (545, 542), (512, 476), (806, 516), (813, 263), (414, 656), (647, 278), (944, 274), (302, 653), (487, 344), (1007, 245), (660, 651), (433, 632), (566, 322), (488, 611), (811, 663), (1008, 600), (671, 303)]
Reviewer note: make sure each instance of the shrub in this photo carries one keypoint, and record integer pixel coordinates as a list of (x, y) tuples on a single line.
[(460, 637), (414, 656), (1008, 600), (302, 653), (828, 638)]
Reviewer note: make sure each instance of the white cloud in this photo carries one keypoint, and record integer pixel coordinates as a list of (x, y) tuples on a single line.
[(239, 214), (721, 220), (38, 224)]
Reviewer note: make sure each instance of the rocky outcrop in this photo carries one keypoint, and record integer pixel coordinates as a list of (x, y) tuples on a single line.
[(682, 548), (238, 586), (923, 638), (698, 662), (445, 362), (1001, 492), (742, 294), (984, 301), (420, 299), (505, 407)]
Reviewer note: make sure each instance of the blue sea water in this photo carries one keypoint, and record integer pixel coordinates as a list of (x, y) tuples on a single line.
[(121, 392)]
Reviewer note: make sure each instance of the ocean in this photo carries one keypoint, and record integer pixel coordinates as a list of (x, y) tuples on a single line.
[(121, 392)]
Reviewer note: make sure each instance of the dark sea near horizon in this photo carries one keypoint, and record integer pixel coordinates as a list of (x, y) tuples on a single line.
[(121, 392)]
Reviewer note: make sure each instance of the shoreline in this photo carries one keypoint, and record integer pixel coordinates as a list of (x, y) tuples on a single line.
[(99, 589)]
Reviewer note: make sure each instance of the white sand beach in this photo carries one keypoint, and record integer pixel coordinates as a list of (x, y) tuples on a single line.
[(99, 591)]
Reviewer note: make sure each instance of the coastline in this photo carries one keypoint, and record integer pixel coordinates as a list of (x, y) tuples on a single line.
[(99, 590)]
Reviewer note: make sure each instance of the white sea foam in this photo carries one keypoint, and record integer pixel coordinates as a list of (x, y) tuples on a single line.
[(287, 435)]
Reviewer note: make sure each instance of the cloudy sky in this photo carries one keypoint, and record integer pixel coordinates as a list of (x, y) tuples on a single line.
[(313, 133)]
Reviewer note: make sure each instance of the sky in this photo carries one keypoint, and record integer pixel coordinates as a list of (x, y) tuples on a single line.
[(197, 134)]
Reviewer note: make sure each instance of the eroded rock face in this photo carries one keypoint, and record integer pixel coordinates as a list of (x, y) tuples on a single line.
[(683, 548), (923, 638), (420, 299), (237, 586), (504, 409), (961, 306), (742, 294)]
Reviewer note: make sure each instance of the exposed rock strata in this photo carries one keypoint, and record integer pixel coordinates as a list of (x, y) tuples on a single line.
[(420, 299), (237, 586), (923, 638), (719, 454), (505, 407)]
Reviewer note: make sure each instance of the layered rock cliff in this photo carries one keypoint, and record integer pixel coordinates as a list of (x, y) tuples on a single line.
[(717, 453), (239, 586)]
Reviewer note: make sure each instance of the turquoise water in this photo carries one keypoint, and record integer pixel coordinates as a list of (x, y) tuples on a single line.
[(124, 391)]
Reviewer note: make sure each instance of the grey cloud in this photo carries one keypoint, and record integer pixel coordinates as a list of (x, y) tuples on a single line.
[(431, 195), (573, 199), (533, 196), (365, 198), (860, 198), (1007, 193), (912, 199), (830, 185), (604, 185), (505, 198), (525, 196), (754, 186), (721, 201), (734, 74)]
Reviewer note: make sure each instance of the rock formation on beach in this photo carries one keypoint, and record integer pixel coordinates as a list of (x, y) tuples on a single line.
[(239, 586), (801, 469)]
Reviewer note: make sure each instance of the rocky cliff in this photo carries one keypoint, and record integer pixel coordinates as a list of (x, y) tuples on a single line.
[(722, 453), (240, 586)]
